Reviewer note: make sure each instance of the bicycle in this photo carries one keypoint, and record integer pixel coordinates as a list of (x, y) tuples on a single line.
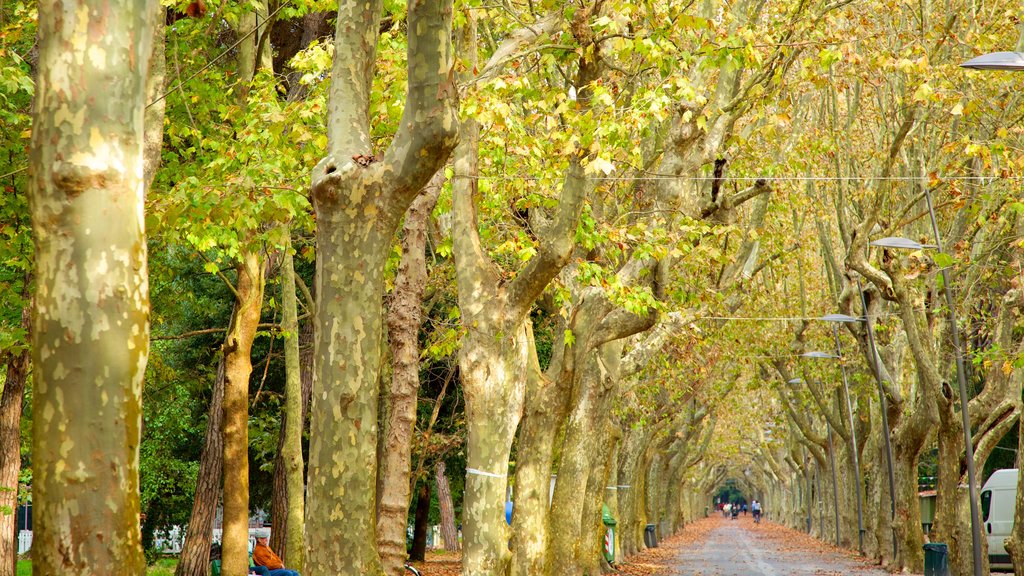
[(412, 570)]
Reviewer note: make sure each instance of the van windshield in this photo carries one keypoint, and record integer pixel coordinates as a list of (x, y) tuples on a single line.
[(986, 504)]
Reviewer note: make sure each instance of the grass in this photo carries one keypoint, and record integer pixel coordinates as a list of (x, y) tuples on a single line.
[(163, 567)]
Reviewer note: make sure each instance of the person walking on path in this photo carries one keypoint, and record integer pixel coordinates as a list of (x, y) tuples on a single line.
[(755, 509), (264, 556)]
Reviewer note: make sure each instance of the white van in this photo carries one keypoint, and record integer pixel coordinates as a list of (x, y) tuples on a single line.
[(998, 499)]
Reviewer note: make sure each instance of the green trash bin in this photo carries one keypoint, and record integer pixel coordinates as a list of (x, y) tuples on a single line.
[(936, 559), (609, 535)]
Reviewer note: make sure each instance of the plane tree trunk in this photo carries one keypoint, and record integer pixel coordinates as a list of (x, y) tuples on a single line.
[(360, 198), (89, 351)]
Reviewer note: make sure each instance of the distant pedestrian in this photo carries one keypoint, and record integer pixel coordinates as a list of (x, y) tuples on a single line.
[(744, 508), (755, 509)]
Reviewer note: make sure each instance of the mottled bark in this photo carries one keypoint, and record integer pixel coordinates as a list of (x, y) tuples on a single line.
[(583, 455), (237, 369), (359, 205), (10, 446), (195, 551), (449, 531), (545, 408), (495, 356), (90, 339)]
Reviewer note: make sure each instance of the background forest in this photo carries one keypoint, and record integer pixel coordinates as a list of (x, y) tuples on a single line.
[(408, 261)]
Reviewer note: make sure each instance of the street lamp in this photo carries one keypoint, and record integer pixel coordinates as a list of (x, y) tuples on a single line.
[(961, 375), (996, 61), (853, 432), (884, 406)]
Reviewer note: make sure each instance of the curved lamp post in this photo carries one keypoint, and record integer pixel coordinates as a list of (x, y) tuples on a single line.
[(961, 374), (853, 437)]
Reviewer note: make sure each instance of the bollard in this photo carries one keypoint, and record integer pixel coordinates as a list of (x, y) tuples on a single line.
[(936, 559)]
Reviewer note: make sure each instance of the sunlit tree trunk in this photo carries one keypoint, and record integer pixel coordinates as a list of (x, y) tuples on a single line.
[(237, 350), (90, 338), (250, 269), (360, 197)]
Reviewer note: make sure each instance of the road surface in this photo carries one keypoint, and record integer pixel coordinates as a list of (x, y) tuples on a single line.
[(741, 548)]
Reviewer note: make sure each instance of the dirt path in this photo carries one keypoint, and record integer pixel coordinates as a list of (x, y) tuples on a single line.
[(742, 548)]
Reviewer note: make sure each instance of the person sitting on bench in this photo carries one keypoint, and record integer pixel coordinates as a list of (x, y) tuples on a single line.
[(264, 556)]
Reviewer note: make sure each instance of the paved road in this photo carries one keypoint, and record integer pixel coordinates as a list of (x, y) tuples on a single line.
[(739, 548)]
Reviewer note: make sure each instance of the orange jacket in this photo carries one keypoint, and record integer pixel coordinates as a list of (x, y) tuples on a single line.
[(264, 556)]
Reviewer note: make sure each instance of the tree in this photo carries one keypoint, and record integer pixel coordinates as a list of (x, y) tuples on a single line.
[(360, 197), (404, 319), (91, 327)]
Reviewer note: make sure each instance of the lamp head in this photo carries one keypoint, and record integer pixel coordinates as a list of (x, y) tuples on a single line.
[(900, 243), (841, 318), (996, 61)]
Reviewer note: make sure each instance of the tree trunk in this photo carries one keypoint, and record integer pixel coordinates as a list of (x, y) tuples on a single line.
[(295, 539), (449, 532), (908, 515), (545, 410), (574, 471), (592, 524), (279, 504), (87, 192), (491, 367), (422, 519), (237, 369), (1015, 543), (10, 447), (360, 198), (404, 320), (631, 456), (195, 551)]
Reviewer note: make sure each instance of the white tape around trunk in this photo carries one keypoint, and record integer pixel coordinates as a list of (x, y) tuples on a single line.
[(482, 473)]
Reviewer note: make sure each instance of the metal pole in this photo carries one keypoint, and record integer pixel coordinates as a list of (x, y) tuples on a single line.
[(835, 490), (885, 418), (853, 441), (961, 376)]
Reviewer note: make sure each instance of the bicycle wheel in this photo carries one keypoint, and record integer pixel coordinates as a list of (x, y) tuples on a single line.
[(412, 570)]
